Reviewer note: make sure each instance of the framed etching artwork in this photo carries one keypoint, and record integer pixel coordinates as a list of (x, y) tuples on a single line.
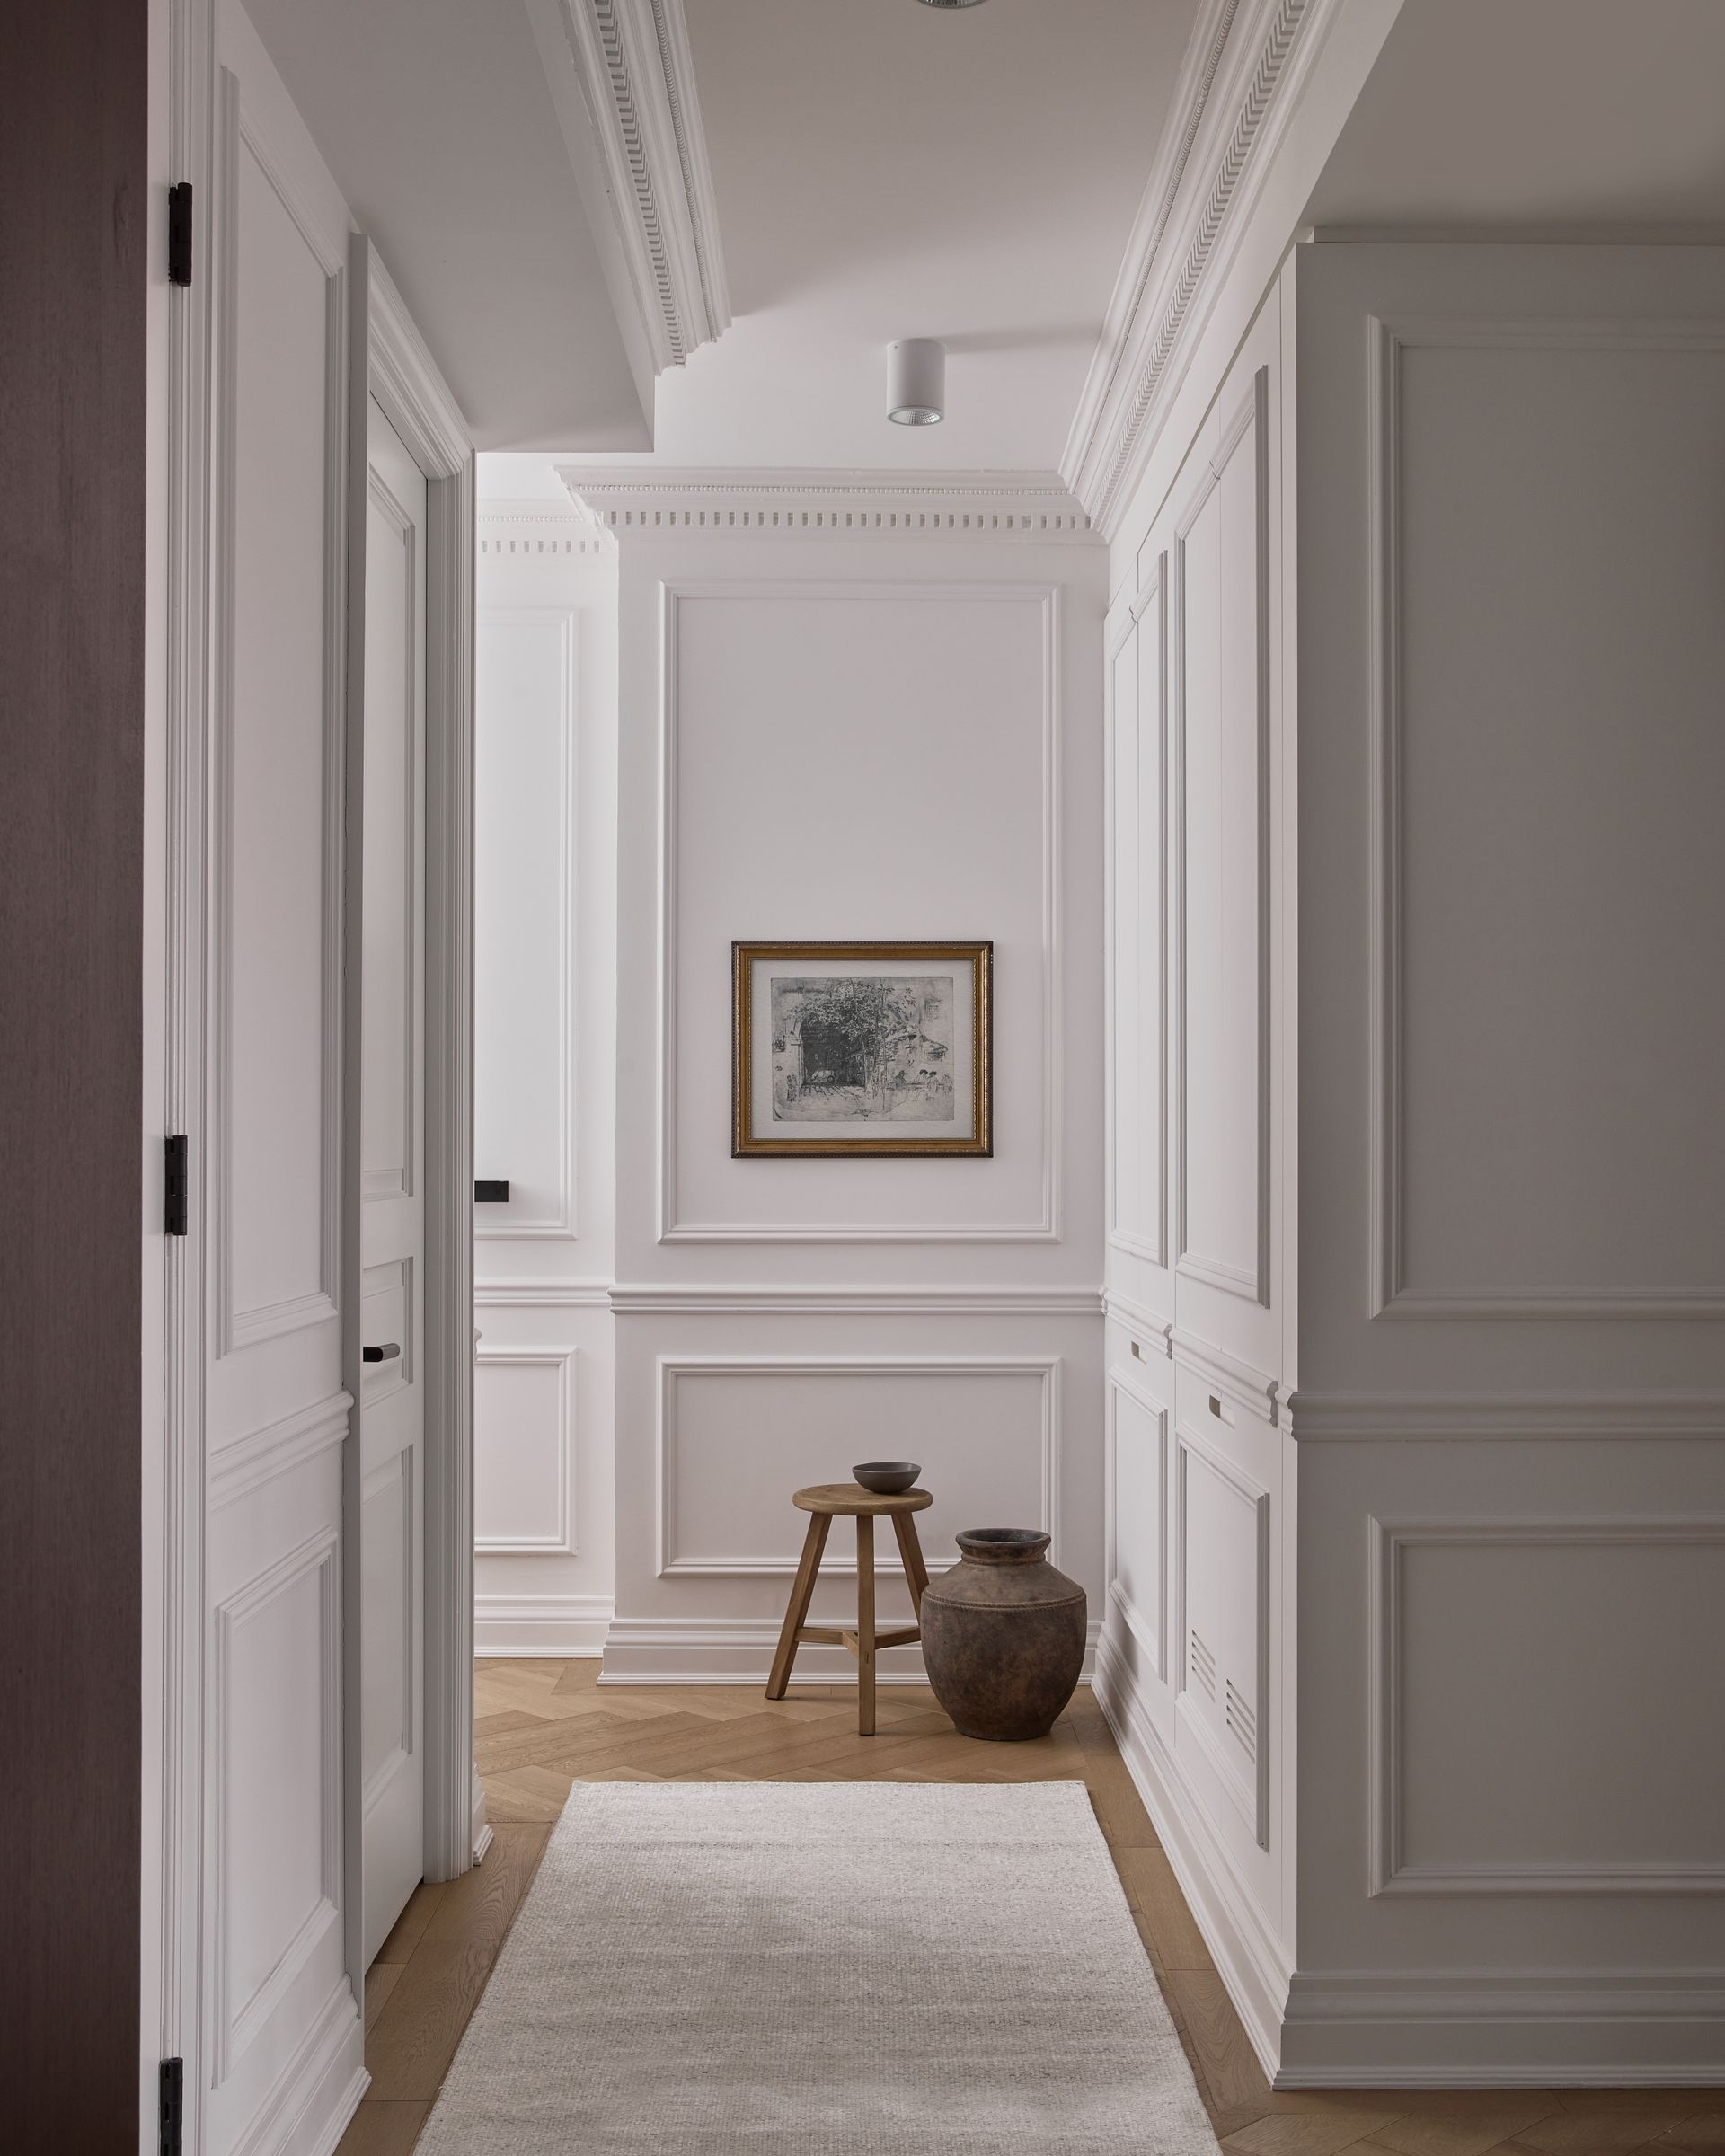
[(860, 1049)]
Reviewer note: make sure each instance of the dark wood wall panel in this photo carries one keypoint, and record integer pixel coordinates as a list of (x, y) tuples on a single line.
[(73, 206)]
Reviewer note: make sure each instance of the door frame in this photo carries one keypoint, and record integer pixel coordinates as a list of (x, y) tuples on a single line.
[(393, 364)]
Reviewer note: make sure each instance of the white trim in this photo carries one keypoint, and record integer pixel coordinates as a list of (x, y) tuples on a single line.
[(670, 1368), (1387, 1871), (1047, 1228), (536, 1294), (562, 1543), (326, 2066), (838, 1298), (507, 1627), (524, 532), (1145, 1326), (1389, 1296), (1240, 87), (738, 1650), (1255, 1390), (1254, 1965), (1252, 417), (624, 84), (638, 500), (561, 1225), (1493, 1418)]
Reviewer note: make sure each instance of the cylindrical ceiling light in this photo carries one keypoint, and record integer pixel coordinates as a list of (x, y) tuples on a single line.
[(951, 3), (917, 380)]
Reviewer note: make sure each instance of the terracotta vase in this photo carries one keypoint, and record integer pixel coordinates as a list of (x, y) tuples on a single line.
[(1004, 1635)]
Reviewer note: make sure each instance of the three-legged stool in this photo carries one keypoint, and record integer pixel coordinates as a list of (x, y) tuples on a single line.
[(824, 1503)]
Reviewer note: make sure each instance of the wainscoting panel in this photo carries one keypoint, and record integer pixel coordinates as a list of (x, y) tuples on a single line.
[(524, 1447), (1138, 1541)]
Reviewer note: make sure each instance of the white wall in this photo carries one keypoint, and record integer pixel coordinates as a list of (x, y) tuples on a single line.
[(828, 737), (1512, 1249), (544, 904)]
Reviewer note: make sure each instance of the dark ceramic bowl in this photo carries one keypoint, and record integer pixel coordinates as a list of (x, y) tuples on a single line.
[(887, 1478)]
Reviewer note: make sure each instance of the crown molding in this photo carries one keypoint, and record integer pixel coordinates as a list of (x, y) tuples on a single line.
[(529, 529), (623, 81), (1030, 508), (1239, 83)]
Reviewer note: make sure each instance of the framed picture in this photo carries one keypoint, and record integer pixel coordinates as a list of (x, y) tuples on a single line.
[(854, 1049)]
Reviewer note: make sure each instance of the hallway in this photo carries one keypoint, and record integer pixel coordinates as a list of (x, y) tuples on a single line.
[(541, 1725)]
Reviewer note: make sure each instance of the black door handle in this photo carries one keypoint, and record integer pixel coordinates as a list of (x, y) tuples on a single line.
[(385, 1354)]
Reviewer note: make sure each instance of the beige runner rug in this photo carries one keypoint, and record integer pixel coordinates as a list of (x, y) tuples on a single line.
[(827, 1968)]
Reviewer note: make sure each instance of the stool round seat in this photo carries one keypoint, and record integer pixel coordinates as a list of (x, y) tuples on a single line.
[(850, 1500)]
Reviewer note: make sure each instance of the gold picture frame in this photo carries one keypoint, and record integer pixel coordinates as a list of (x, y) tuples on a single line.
[(862, 1034)]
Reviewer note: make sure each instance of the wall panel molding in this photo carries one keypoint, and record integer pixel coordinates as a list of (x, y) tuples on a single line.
[(673, 1368), (1251, 1283), (244, 1464), (633, 501), (1150, 1631), (840, 1299), (1389, 1869), (1507, 1417), (558, 1538), (1390, 1294), (1047, 1226)]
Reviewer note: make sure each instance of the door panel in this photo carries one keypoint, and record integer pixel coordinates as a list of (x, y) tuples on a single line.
[(392, 1419), (281, 2015)]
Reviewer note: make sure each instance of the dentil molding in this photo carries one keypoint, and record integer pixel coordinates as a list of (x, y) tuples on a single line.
[(539, 530), (643, 500), (1239, 83), (623, 81)]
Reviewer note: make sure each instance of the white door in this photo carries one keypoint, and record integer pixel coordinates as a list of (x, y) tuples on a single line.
[(280, 2017), (391, 1144)]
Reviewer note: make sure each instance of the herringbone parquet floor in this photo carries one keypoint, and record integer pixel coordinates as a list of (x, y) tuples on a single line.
[(541, 1726)]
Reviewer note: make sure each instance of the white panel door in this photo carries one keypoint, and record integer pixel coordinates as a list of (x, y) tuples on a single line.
[(391, 1158), (281, 2024)]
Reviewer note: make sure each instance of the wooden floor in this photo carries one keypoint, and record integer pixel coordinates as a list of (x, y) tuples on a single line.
[(543, 1725)]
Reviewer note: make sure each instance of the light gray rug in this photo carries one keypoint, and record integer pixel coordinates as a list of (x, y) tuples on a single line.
[(711, 1969)]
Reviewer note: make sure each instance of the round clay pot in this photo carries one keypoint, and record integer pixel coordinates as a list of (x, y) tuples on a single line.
[(1004, 1635)]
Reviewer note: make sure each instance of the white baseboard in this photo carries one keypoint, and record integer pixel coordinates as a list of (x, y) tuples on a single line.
[(738, 1650), (1249, 1959), (1479, 2028), (519, 1626)]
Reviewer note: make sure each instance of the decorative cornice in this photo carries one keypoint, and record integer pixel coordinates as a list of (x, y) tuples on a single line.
[(530, 530), (1238, 83), (635, 499), (630, 61)]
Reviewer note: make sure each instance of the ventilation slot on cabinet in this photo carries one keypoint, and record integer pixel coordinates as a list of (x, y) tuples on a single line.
[(1241, 1720), (1203, 1665)]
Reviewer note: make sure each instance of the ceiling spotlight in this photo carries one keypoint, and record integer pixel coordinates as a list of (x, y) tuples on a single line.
[(917, 365), (951, 3)]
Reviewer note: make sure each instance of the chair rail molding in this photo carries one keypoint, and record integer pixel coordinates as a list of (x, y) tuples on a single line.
[(1247, 63), (634, 500), (623, 82), (1503, 1417), (909, 1298)]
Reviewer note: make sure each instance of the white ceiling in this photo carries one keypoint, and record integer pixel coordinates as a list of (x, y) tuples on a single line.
[(437, 120), (1534, 114), (885, 170)]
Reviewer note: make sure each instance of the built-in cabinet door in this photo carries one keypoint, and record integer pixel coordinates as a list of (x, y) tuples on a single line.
[(279, 2017), (392, 1173)]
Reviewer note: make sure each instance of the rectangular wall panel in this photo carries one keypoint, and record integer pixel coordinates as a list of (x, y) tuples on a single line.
[(524, 1436), (1222, 1552), (1138, 1519), (1222, 718), (1138, 989), (737, 1438)]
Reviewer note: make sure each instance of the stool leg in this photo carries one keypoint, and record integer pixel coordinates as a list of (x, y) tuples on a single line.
[(864, 1624), (911, 1551), (802, 1589)]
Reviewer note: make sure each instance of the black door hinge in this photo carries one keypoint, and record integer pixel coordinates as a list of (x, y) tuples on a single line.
[(176, 1176), (171, 2106), (180, 232)]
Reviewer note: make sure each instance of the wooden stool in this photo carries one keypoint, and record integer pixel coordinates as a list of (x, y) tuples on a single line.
[(824, 1503)]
